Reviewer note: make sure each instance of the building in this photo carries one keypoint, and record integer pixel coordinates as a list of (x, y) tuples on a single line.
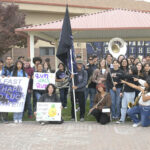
[(43, 11)]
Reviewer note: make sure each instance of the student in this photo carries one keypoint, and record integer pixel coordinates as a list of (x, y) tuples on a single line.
[(29, 70), (3, 72), (36, 61), (80, 81), (114, 86), (104, 100), (46, 68), (146, 70), (8, 65), (128, 93), (91, 86), (47, 65), (60, 77), (38, 93), (100, 74), (49, 96), (143, 109), (18, 71)]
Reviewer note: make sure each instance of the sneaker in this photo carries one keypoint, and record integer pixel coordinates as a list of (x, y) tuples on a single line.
[(19, 121), (119, 121), (136, 124), (42, 123), (82, 119), (15, 121), (78, 109)]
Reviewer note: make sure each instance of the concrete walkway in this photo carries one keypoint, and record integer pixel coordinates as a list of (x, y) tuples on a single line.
[(73, 136)]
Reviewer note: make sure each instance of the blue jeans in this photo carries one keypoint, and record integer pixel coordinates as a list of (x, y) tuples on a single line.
[(127, 97), (37, 95), (115, 98), (18, 116), (28, 104), (63, 96), (143, 111), (91, 92)]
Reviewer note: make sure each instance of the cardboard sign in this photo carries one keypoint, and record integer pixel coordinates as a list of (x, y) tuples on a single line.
[(13, 92), (47, 111), (41, 80)]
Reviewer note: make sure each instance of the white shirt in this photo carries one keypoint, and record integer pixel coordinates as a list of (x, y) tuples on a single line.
[(142, 82), (147, 103), (103, 71)]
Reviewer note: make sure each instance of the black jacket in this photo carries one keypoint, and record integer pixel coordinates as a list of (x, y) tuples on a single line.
[(46, 98), (116, 78)]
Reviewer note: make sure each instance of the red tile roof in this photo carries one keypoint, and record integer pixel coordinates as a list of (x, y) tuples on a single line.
[(129, 4), (105, 20)]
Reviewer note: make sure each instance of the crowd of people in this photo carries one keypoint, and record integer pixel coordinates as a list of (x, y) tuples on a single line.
[(109, 83)]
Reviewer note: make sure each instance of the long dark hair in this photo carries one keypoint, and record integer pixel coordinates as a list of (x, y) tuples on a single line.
[(121, 67), (148, 82), (134, 70), (15, 69), (141, 71), (54, 88), (62, 65), (100, 64)]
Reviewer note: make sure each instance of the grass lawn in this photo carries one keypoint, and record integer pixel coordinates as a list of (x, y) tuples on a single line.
[(66, 114)]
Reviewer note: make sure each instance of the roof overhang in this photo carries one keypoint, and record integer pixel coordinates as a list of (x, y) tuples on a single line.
[(101, 26)]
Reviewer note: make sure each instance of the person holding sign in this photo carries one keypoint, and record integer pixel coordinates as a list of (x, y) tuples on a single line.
[(18, 71), (37, 93), (49, 96)]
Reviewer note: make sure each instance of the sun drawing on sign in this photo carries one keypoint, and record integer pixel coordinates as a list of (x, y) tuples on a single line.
[(52, 111)]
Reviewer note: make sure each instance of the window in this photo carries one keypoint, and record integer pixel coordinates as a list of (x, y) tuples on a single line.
[(47, 51)]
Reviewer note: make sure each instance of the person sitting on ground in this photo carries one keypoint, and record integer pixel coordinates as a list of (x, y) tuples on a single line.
[(102, 100), (50, 96)]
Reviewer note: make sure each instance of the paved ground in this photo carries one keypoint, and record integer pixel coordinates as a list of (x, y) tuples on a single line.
[(73, 136)]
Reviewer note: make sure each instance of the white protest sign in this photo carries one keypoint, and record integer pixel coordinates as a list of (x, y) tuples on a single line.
[(41, 80), (13, 92), (47, 111)]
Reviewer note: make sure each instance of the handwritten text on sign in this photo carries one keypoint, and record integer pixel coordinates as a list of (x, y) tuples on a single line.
[(48, 111), (41, 80), (13, 93)]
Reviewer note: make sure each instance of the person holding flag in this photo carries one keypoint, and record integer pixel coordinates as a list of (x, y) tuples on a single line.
[(80, 81), (65, 51)]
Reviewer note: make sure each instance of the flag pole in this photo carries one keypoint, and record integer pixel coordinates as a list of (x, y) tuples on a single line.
[(74, 101)]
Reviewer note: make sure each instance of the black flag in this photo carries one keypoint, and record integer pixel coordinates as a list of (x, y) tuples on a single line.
[(66, 42)]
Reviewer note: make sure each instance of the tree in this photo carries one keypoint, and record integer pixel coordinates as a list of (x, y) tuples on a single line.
[(10, 19)]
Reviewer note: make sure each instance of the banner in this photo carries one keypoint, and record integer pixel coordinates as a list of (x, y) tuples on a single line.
[(13, 92), (134, 48), (41, 80), (48, 111)]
